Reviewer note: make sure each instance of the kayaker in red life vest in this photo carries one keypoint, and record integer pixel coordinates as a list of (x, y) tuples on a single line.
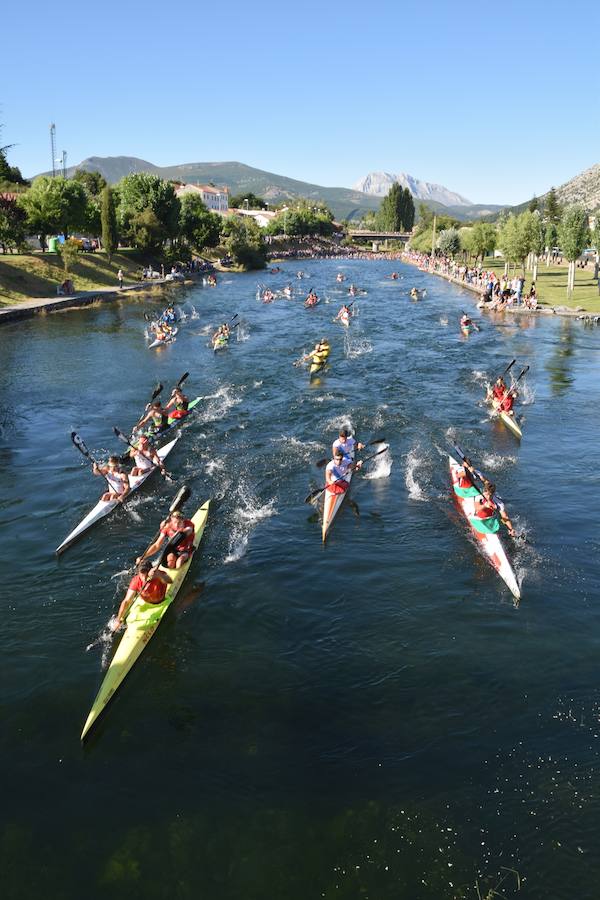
[(117, 480), (488, 508), (180, 403), (498, 389), (150, 584), (506, 404), (145, 456), (336, 469), (176, 526), (465, 321)]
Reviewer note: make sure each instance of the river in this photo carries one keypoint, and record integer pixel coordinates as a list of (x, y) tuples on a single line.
[(375, 718)]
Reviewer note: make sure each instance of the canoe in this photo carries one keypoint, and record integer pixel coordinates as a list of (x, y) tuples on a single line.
[(103, 508), (142, 621), (149, 432), (489, 544), (331, 505), (511, 424)]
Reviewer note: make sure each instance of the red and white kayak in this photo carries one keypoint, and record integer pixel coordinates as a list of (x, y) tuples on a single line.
[(489, 544), (332, 503)]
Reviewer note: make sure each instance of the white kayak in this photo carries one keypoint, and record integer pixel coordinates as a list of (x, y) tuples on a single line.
[(103, 508), (489, 543), (169, 340), (332, 503)]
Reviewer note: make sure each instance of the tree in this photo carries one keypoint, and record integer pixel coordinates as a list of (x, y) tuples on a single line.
[(483, 239), (397, 210), (54, 206), (448, 242), (572, 235), (550, 239), (552, 210), (238, 201), (108, 217), (12, 224), (197, 225), (69, 252), (93, 182), (142, 193), (519, 236), (244, 242), (10, 176), (533, 204), (304, 219)]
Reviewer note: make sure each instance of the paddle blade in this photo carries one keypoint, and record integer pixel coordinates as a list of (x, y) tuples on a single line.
[(180, 498), (313, 495), (156, 392), (79, 444), (321, 462), (376, 441), (120, 435), (182, 379)]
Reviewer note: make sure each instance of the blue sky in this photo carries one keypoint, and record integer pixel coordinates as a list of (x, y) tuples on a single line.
[(496, 103)]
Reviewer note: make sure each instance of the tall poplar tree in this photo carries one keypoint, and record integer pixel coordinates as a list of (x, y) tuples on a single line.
[(108, 217), (552, 209)]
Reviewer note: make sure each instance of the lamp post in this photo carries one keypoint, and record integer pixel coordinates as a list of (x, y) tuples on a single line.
[(246, 201)]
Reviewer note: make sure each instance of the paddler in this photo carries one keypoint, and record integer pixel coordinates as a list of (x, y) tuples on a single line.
[(464, 486), (145, 456), (498, 390), (489, 512), (506, 404), (352, 290), (336, 470), (178, 530), (117, 480), (340, 277), (169, 316), (180, 402), (312, 299), (346, 444), (150, 585), (221, 335), (344, 312), (156, 416), (465, 321), (319, 354)]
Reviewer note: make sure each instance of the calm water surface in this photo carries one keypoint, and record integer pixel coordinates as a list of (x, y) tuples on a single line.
[(371, 719)]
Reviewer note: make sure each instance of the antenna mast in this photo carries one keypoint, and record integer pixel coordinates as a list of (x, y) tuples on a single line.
[(53, 147)]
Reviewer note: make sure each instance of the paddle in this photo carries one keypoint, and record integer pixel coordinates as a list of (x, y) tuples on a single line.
[(80, 444), (323, 462), (125, 439), (507, 369), (182, 379), (314, 495), (479, 474)]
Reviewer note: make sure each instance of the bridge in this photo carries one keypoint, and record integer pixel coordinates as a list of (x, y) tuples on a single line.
[(378, 237)]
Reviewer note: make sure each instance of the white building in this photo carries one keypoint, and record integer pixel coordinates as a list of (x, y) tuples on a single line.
[(262, 217), (214, 198)]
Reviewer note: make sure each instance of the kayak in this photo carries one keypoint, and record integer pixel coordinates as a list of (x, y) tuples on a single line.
[(466, 329), (173, 421), (142, 621), (511, 424), (332, 503), (345, 319), (488, 542), (104, 507), (169, 340), (220, 343)]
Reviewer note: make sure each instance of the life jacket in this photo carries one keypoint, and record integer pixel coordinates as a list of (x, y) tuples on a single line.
[(152, 591), (507, 403), (186, 542), (485, 509)]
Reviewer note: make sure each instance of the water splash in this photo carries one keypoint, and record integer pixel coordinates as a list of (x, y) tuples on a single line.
[(526, 394), (495, 461), (242, 332), (480, 376), (381, 466), (413, 463), (219, 404), (444, 320), (354, 347), (246, 517)]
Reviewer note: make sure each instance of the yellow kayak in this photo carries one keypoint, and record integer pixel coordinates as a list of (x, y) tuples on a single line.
[(142, 621)]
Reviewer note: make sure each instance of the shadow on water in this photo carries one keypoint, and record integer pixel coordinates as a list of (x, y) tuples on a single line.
[(559, 364)]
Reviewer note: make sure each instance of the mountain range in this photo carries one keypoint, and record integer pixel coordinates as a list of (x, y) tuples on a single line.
[(379, 184), (345, 203)]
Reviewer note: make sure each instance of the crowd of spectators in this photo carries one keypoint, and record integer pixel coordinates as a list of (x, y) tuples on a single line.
[(498, 291)]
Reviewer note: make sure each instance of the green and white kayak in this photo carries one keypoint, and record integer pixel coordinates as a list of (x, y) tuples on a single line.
[(142, 621)]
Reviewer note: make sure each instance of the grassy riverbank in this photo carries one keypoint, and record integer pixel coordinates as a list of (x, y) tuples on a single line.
[(30, 275), (552, 285)]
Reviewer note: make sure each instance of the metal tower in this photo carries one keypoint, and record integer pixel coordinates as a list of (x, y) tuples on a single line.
[(53, 146)]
